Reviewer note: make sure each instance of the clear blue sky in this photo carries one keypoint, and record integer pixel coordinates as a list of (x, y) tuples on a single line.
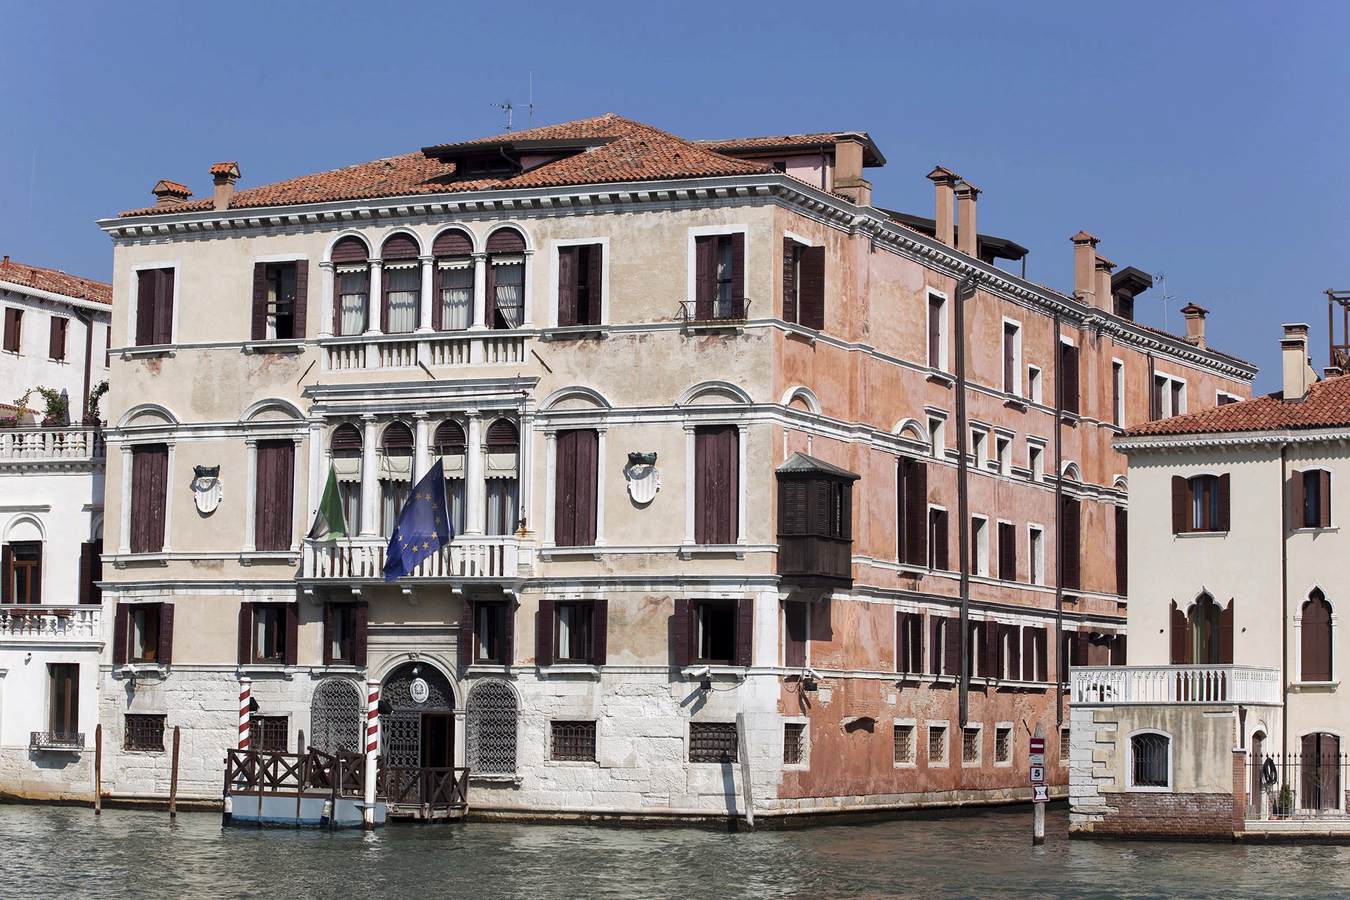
[(1206, 141)]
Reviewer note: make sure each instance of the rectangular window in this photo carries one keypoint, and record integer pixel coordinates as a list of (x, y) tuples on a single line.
[(63, 699), (796, 620), (978, 661), (149, 482), (1034, 384), (1068, 377), (1168, 397), (1009, 652), (970, 746), (937, 745), (716, 484), (575, 486), (1122, 517), (1012, 358), (1200, 503), (937, 332), (1003, 454), (794, 743), (502, 506), (393, 495), (270, 734), (1223, 398), (1003, 745), (1007, 551), (402, 292), (575, 629), (572, 741), (1036, 554), (1314, 486), (1070, 542), (715, 634), (713, 742), (56, 345), (1064, 746), (490, 638), (154, 307), (945, 645), (1034, 661), (274, 495), (13, 329), (143, 732), (979, 545), (803, 284), (23, 571), (1036, 461), (269, 633), (278, 296), (1178, 398), (719, 277), (340, 623), (143, 632), (909, 643), (508, 290), (911, 507), (979, 444), (1118, 393), (903, 744), (937, 430), (937, 539), (579, 276)]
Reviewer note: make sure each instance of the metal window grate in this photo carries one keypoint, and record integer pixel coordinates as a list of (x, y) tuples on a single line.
[(491, 714), (1149, 760), (970, 745), (794, 751), (904, 743), (270, 733), (937, 743), (1003, 745), (574, 741), (712, 742), (144, 732), (1064, 746)]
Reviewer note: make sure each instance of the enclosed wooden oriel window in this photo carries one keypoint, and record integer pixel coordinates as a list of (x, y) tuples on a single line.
[(815, 513)]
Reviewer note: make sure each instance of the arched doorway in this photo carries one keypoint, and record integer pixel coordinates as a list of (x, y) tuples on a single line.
[(419, 729), (336, 712), (1320, 781)]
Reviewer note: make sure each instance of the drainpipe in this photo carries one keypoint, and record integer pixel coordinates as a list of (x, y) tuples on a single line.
[(964, 289), (1059, 538), (1284, 605)]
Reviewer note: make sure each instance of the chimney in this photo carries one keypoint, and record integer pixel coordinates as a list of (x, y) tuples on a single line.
[(1102, 267), (1332, 372), (848, 172), (945, 181), (1084, 266), (1298, 375), (967, 240), (1194, 314), (224, 175), (170, 193)]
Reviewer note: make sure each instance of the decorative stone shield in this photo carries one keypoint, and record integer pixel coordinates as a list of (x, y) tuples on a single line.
[(206, 488), (643, 478)]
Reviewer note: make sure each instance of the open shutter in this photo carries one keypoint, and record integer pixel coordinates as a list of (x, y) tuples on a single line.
[(245, 633), (1068, 356), (705, 276), (145, 308), (1028, 654), (86, 573), (1224, 494), (789, 280), (1122, 550), (1007, 552), (165, 634), (567, 285), (940, 542), (119, 636), (361, 619), (259, 301), (1324, 498), (1070, 537), (328, 613), (745, 630), (901, 643), (1226, 634), (1297, 500), (1179, 504), (989, 665), (951, 649), (936, 649), (292, 633), (384, 302), (543, 634), (336, 302), (1014, 650), (1181, 647), (813, 287), (594, 284), (508, 633), (600, 632), (489, 295), (301, 297), (164, 306), (680, 633), (738, 273), (466, 622)]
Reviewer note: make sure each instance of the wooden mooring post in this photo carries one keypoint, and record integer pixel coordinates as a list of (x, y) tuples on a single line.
[(173, 776), (98, 770)]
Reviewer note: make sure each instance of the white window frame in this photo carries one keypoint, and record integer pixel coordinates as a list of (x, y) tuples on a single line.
[(979, 444), (1003, 441), (1007, 640), (979, 539), (553, 273), (937, 431), (944, 331), (690, 544), (929, 725), (1130, 786), (551, 486), (1298, 637), (805, 764), (1166, 409), (1035, 384), (1118, 386), (1036, 461), (913, 760), (691, 285), (998, 530), (1012, 743), (1219, 395), (133, 297), (1017, 357), (928, 530), (1036, 553)]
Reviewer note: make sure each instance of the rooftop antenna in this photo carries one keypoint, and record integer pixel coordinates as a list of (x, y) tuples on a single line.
[(1162, 286), (530, 108), (507, 107)]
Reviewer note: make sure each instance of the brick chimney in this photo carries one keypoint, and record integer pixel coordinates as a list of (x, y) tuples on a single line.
[(1084, 266), (944, 180), (224, 175), (1194, 314), (1298, 375), (1332, 372), (1102, 292), (967, 239), (169, 193), (848, 172)]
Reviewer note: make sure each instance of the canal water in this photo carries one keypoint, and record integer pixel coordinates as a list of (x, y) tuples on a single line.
[(67, 852)]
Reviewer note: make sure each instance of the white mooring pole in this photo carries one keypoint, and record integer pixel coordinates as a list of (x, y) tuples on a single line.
[(1040, 793), (372, 750)]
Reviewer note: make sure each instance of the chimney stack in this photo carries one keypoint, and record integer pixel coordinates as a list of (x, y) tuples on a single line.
[(1084, 266), (944, 180), (1102, 268), (1194, 314), (967, 239), (1332, 372), (170, 193), (224, 175), (1298, 375), (848, 172)]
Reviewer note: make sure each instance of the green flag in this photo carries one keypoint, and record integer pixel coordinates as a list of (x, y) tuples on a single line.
[(329, 523)]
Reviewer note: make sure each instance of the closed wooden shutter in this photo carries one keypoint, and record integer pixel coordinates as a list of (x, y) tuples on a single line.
[(1009, 373), (705, 276), (1224, 501), (934, 332), (575, 492), (508, 632), (901, 642), (149, 474), (466, 635), (1070, 543), (1226, 634), (165, 634), (543, 634), (164, 306), (595, 261), (452, 242), (245, 636), (274, 495), (259, 301), (1029, 654), (56, 344), (1180, 505), (989, 631), (914, 474), (91, 571), (1007, 551), (292, 650), (600, 632), (506, 240), (1324, 498), (329, 613), (1180, 638), (299, 315), (680, 631), (716, 474), (145, 309), (1068, 377), (951, 647), (940, 559), (1010, 643), (1122, 550), (745, 631), (789, 279), (737, 272), (119, 641), (793, 506), (1042, 653), (1315, 641), (567, 285), (812, 287), (794, 647)]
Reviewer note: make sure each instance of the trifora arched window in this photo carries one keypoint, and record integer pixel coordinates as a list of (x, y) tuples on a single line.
[(351, 285), (502, 476)]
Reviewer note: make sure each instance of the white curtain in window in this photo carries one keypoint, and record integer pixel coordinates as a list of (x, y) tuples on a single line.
[(454, 495), (501, 506), (456, 295), (392, 495), (509, 278), (405, 282), (352, 286), (350, 494)]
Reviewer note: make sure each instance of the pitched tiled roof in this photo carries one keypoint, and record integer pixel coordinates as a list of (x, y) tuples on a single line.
[(55, 282), (634, 152), (1327, 405), (770, 142)]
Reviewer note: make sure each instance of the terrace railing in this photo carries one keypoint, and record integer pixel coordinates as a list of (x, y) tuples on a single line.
[(1174, 684)]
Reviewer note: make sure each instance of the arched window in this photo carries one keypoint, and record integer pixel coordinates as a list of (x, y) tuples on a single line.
[(402, 286), (501, 474), (491, 718), (351, 285), (1150, 761), (345, 445), (1200, 503), (1202, 634), (449, 444), (1315, 639), (453, 290), (396, 450), (336, 717), (506, 278)]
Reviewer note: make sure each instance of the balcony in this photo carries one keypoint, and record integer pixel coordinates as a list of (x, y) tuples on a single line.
[(362, 559), (41, 623), (715, 314), (28, 446), (56, 742), (1167, 685), (442, 349)]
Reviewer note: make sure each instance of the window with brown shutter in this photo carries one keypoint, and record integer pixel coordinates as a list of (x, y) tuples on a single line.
[(493, 632), (714, 638), (274, 495), (1070, 543), (91, 572), (154, 307), (580, 269), (1034, 660), (909, 642), (1312, 498), (716, 484), (1009, 358), (912, 511), (1068, 378), (1009, 652), (149, 477), (63, 699), (1122, 550), (574, 492), (1200, 503), (937, 539), (811, 288), (13, 329), (279, 291), (1315, 638), (1007, 551), (56, 345), (719, 277), (936, 312), (571, 631), (791, 279), (23, 572)]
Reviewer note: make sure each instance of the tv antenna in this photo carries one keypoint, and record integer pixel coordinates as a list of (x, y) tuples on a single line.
[(1162, 286), (509, 108)]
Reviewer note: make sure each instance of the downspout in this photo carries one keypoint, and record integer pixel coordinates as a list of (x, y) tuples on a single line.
[(1059, 524), (962, 500), (1284, 604)]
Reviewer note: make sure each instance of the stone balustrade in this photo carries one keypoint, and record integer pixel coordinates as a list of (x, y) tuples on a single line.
[(434, 350), (47, 623), (483, 557), (1173, 684), (34, 445)]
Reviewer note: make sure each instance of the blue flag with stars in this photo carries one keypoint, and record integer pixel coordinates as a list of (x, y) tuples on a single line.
[(423, 526)]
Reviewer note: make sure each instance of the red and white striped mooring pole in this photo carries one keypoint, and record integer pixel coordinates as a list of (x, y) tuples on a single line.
[(372, 749), (245, 712)]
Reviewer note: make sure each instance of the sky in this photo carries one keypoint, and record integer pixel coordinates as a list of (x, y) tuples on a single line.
[(1202, 141)]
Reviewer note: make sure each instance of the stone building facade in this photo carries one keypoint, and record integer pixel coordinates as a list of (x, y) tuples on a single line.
[(699, 405)]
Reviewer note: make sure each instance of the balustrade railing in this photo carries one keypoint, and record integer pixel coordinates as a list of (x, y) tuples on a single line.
[(465, 557), (1174, 684), (407, 351), (18, 445), (40, 622)]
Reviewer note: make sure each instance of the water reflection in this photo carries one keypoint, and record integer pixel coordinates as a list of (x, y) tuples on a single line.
[(51, 852)]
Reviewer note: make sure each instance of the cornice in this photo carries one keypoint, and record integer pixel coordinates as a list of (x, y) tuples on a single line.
[(1274, 438)]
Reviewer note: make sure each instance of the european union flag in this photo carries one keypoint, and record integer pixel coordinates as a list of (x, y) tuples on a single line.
[(423, 526)]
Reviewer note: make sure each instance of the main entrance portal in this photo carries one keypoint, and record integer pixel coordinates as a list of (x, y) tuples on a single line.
[(419, 729)]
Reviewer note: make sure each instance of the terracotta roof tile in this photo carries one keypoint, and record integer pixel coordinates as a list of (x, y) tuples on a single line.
[(55, 282), (1326, 406)]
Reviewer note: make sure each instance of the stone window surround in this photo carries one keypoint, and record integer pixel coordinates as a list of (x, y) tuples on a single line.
[(1130, 786), (1298, 641)]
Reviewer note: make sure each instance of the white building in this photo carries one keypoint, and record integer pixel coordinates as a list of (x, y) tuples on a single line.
[(51, 519)]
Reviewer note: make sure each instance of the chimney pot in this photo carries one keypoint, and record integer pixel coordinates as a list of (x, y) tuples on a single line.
[(848, 172), (1298, 375), (1102, 285), (967, 239), (1194, 314), (944, 181), (224, 175), (1084, 266)]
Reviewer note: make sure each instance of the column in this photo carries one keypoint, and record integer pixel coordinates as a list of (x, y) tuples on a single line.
[(689, 485), (475, 496), (424, 306), (326, 301), (370, 485), (421, 454), (375, 297), (168, 501), (479, 322), (550, 487), (526, 280), (124, 537), (743, 489), (525, 466), (250, 495)]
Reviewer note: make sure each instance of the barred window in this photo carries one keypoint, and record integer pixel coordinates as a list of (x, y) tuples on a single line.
[(1148, 760), (269, 733), (904, 743), (712, 742), (574, 741), (491, 715), (794, 743), (970, 745), (1003, 745), (144, 732), (1064, 746), (937, 743)]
